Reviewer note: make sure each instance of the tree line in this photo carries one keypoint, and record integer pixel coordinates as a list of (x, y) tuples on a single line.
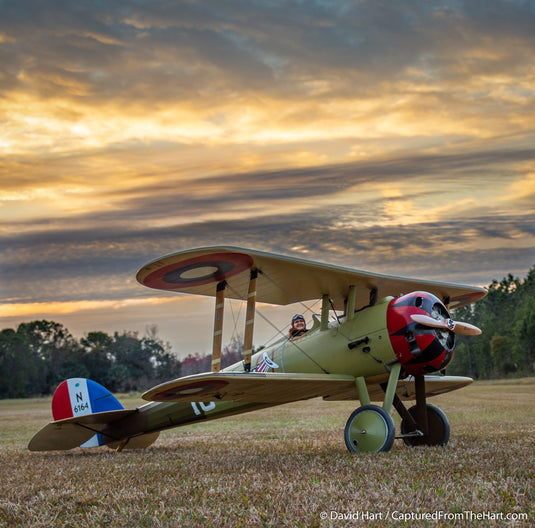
[(38, 355), (506, 347)]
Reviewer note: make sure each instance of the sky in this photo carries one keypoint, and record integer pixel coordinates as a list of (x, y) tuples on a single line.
[(391, 137)]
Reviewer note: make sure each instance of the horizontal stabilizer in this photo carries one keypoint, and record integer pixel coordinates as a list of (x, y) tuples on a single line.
[(73, 432)]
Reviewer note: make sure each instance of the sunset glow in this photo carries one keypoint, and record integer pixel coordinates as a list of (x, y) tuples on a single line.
[(386, 137)]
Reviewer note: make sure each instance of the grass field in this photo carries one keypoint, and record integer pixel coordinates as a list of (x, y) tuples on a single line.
[(285, 466)]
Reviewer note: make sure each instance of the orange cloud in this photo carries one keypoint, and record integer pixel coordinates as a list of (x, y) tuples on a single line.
[(52, 309)]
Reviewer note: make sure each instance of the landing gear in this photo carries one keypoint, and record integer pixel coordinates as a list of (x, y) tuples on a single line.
[(438, 428), (369, 429), (423, 424)]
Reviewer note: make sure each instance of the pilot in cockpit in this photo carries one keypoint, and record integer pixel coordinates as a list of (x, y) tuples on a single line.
[(298, 327)]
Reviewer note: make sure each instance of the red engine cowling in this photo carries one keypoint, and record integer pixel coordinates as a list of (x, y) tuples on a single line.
[(420, 349)]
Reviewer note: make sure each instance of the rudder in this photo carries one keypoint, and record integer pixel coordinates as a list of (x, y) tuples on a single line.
[(79, 397)]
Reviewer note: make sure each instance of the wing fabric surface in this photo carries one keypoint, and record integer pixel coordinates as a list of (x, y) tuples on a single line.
[(406, 390), (287, 387), (283, 280), (255, 387)]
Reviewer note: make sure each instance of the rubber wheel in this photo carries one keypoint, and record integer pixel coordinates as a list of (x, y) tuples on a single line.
[(369, 429), (438, 427)]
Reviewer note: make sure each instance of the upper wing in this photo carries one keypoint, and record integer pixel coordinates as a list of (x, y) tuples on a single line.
[(274, 387), (283, 280)]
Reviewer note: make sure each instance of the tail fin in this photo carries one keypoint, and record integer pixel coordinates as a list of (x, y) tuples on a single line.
[(81, 408), (78, 397)]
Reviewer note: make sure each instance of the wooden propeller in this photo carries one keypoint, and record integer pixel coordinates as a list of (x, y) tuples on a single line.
[(456, 327)]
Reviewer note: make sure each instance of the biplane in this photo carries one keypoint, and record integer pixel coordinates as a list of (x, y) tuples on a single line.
[(376, 338)]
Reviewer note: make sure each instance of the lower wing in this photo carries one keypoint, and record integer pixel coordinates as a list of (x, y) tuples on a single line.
[(288, 387)]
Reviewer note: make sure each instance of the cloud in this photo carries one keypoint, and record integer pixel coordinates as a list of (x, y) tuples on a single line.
[(523, 189), (236, 71), (98, 256), (64, 308), (391, 138), (156, 191)]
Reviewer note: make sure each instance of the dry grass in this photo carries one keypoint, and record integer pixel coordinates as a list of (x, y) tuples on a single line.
[(279, 467)]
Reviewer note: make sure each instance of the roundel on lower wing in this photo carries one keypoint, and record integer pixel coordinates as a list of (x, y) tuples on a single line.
[(197, 388), (198, 271)]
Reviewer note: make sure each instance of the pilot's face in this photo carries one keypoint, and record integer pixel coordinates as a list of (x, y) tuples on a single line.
[(299, 324)]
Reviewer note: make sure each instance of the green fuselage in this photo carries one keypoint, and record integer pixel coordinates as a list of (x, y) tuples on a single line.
[(358, 346)]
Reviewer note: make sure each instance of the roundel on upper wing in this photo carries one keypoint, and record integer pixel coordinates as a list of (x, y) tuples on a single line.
[(198, 271)]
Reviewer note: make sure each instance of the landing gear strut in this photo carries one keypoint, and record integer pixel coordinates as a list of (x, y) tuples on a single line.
[(422, 424), (370, 428)]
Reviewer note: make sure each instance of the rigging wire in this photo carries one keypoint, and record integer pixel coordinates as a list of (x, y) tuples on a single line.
[(288, 293), (235, 317), (334, 317), (280, 331)]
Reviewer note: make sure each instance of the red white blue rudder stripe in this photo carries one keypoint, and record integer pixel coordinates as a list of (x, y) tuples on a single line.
[(78, 397)]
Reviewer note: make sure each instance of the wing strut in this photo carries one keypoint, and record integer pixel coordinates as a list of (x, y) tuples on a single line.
[(218, 326), (249, 321), (351, 302)]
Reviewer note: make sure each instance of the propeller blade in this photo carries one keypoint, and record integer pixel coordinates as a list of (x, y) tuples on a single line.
[(427, 320), (446, 324), (465, 328)]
